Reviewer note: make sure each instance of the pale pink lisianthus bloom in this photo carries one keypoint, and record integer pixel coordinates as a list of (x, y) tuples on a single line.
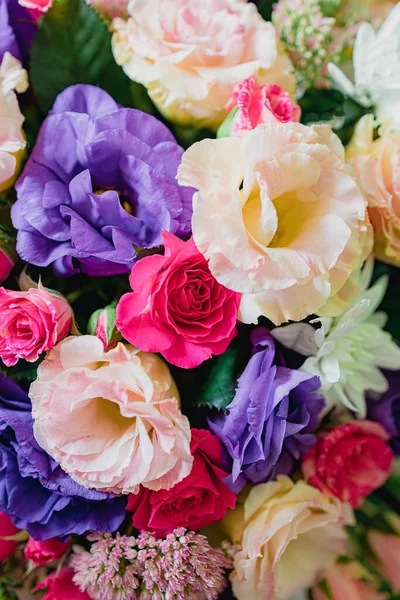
[(31, 323), (260, 104), (111, 419), (190, 55), (345, 582), (36, 8), (279, 216), (12, 141), (377, 163), (288, 534), (386, 548)]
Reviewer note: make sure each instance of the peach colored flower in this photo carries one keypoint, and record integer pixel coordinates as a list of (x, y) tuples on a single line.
[(346, 582), (12, 141), (279, 216), (191, 54), (377, 163), (290, 533), (111, 419)]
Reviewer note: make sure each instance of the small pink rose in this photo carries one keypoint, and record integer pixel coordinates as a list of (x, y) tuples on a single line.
[(260, 104), (61, 587), (36, 8), (7, 529), (6, 265), (177, 307), (41, 553), (31, 323)]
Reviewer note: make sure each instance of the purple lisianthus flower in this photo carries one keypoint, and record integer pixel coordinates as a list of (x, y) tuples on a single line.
[(99, 184), (34, 491), (17, 29), (385, 409), (269, 424)]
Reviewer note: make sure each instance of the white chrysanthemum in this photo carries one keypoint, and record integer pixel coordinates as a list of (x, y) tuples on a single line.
[(376, 62), (347, 352)]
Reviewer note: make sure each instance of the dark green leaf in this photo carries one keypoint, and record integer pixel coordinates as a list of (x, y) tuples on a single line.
[(72, 46), (22, 370), (265, 8), (219, 386)]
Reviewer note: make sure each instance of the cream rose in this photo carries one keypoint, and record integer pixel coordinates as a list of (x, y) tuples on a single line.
[(190, 54), (279, 216), (111, 419), (377, 163), (288, 533)]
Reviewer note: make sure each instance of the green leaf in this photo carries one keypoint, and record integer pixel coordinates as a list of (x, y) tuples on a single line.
[(23, 370), (219, 386), (73, 46), (265, 8)]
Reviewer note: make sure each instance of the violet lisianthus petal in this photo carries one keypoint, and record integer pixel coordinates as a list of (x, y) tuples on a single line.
[(57, 506), (17, 30), (385, 409), (99, 183), (269, 424)]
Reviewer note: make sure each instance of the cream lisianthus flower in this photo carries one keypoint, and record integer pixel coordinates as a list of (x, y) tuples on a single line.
[(12, 142), (377, 163), (279, 216), (376, 62), (288, 533), (191, 54), (347, 353)]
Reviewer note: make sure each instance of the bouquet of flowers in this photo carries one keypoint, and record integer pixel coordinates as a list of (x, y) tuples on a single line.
[(199, 325)]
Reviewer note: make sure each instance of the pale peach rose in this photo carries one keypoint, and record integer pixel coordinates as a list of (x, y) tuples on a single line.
[(290, 533), (190, 54), (279, 216), (12, 141), (377, 163), (111, 419), (387, 551), (345, 582)]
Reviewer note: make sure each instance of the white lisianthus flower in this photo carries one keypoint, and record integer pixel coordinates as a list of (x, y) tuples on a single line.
[(347, 352), (376, 63)]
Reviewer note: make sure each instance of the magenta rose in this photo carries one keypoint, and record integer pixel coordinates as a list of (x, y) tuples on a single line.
[(7, 530), (6, 264), (31, 323), (198, 500), (41, 553), (61, 587), (177, 307)]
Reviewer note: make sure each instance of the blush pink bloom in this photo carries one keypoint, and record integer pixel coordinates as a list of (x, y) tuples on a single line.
[(61, 587), (178, 308), (260, 104), (387, 551), (111, 419), (7, 529), (191, 54), (279, 217), (6, 264), (36, 8), (41, 553), (345, 583), (350, 461), (31, 323)]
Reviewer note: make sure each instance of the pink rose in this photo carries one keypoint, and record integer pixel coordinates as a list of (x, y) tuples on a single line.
[(344, 582), (387, 551), (350, 461), (110, 419), (36, 8), (41, 553), (197, 501), (178, 308), (7, 529), (31, 322), (6, 265), (260, 104), (61, 587)]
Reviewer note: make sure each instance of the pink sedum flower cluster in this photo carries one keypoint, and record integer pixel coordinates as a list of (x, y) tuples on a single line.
[(111, 419), (183, 565)]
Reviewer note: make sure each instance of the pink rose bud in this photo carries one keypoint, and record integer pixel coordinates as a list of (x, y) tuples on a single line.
[(61, 587), (7, 529), (41, 553), (6, 264), (343, 582), (251, 105), (386, 548), (102, 324), (31, 322), (36, 8)]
